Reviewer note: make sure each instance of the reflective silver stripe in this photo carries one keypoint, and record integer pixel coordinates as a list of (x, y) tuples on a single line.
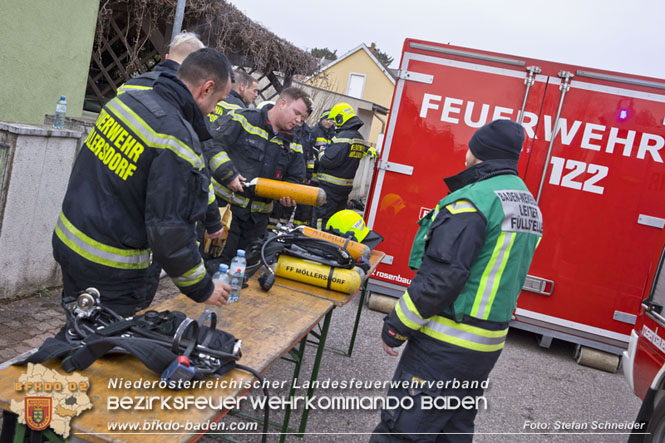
[(138, 257), (261, 207), (410, 315), (229, 106), (464, 335), (225, 193), (219, 159), (348, 140), (334, 180), (156, 140), (211, 194), (462, 205), (192, 276), (125, 88), (295, 147), (496, 271), (249, 127)]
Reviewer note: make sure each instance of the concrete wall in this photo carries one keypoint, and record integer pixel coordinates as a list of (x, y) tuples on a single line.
[(45, 53), (33, 180)]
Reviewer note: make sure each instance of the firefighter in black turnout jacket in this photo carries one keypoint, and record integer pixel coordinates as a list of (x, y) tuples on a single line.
[(181, 46), (339, 162), (320, 136), (244, 91), (138, 187), (250, 143)]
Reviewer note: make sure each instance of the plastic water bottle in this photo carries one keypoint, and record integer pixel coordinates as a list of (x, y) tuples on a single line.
[(221, 276), (237, 275), (60, 111)]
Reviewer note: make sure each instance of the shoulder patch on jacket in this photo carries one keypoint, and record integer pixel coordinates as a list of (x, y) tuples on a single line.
[(461, 206)]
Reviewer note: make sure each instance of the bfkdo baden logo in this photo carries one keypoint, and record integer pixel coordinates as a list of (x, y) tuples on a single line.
[(51, 399), (38, 412)]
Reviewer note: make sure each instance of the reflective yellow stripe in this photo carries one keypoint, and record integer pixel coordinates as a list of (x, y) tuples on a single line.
[(98, 252), (295, 147), (335, 180), (434, 212), (191, 277), (321, 141), (249, 127), (125, 88), (220, 108), (408, 313), (261, 207), (465, 336), (489, 282), (154, 139), (226, 194), (461, 206), (227, 106), (219, 159), (211, 194), (349, 140)]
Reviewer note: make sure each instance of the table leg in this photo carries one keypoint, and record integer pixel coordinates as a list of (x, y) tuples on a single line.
[(349, 350), (315, 371), (296, 372), (20, 433), (361, 302)]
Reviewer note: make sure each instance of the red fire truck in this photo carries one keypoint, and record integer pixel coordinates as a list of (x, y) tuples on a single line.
[(644, 360), (593, 159)]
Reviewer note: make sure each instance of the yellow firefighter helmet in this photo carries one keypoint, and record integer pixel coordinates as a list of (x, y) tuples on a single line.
[(341, 113), (348, 223)]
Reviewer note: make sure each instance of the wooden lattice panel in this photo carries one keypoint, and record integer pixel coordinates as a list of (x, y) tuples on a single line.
[(109, 62)]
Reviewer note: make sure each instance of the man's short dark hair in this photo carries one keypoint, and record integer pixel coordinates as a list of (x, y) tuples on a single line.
[(203, 65), (243, 78), (294, 93)]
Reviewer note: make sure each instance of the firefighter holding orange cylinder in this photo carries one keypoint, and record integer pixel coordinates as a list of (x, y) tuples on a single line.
[(250, 143)]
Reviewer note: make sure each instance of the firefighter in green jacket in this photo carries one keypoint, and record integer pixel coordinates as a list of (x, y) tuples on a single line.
[(472, 253)]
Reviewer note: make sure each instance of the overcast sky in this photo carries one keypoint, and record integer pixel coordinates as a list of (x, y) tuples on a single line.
[(618, 35)]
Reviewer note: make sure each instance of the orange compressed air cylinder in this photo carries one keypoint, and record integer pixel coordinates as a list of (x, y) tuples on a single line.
[(306, 195), (354, 248)]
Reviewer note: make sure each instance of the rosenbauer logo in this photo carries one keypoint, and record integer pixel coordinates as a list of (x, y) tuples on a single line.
[(398, 278)]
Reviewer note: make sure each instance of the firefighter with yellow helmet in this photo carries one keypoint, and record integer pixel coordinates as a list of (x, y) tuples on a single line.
[(339, 161)]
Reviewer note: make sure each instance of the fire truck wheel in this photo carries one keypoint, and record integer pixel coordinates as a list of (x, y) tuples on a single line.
[(656, 428), (381, 303)]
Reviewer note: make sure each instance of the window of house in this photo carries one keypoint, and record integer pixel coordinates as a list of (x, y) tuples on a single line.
[(356, 85)]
